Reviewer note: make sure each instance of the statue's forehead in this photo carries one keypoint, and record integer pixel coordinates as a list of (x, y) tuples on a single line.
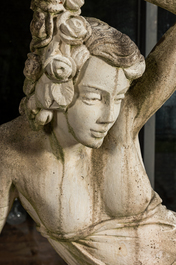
[(99, 74)]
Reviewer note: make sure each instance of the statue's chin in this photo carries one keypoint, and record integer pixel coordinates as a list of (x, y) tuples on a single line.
[(95, 144), (85, 138)]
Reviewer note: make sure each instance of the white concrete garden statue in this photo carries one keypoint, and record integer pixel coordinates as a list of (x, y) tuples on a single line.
[(73, 156)]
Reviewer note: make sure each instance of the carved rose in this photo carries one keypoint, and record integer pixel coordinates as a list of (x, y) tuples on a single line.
[(32, 69), (60, 68), (74, 4), (52, 6), (74, 30)]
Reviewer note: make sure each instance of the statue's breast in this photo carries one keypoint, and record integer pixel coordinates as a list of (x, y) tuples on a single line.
[(127, 190), (76, 196), (59, 199), (70, 197)]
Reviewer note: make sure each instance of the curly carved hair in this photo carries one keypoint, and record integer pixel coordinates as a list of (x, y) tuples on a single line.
[(105, 42)]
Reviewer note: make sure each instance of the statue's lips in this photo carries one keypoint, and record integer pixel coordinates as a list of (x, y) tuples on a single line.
[(98, 134)]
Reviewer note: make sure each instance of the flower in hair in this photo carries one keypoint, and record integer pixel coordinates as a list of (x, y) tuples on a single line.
[(52, 6), (74, 4), (74, 30), (60, 68)]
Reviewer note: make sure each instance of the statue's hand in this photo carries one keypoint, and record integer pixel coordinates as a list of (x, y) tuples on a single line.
[(169, 5)]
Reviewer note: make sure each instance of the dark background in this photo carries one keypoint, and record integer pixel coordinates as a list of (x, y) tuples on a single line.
[(15, 18)]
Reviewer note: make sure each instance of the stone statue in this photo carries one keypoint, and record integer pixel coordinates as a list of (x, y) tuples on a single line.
[(73, 156)]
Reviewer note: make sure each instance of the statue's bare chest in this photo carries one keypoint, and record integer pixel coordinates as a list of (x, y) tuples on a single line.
[(69, 197), (61, 196)]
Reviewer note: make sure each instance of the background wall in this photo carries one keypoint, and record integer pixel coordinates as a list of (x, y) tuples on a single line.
[(15, 18), (165, 155)]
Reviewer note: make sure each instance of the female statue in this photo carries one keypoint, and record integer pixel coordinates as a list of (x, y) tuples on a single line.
[(73, 156)]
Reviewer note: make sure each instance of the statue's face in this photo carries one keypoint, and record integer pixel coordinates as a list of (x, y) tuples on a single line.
[(100, 90)]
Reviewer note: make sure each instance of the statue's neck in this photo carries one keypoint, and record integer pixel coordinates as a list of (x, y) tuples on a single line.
[(66, 141)]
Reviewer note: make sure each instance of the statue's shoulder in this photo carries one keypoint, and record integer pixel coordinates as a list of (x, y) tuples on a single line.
[(11, 127), (18, 140), (13, 132)]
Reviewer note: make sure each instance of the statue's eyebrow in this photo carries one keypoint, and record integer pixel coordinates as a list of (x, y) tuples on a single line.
[(93, 88)]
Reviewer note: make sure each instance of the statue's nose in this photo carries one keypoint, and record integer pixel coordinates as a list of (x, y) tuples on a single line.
[(108, 114)]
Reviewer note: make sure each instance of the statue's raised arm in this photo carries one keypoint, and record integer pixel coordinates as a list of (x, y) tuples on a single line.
[(169, 5), (159, 80)]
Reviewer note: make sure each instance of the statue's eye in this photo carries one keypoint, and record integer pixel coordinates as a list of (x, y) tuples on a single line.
[(91, 98), (118, 99)]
